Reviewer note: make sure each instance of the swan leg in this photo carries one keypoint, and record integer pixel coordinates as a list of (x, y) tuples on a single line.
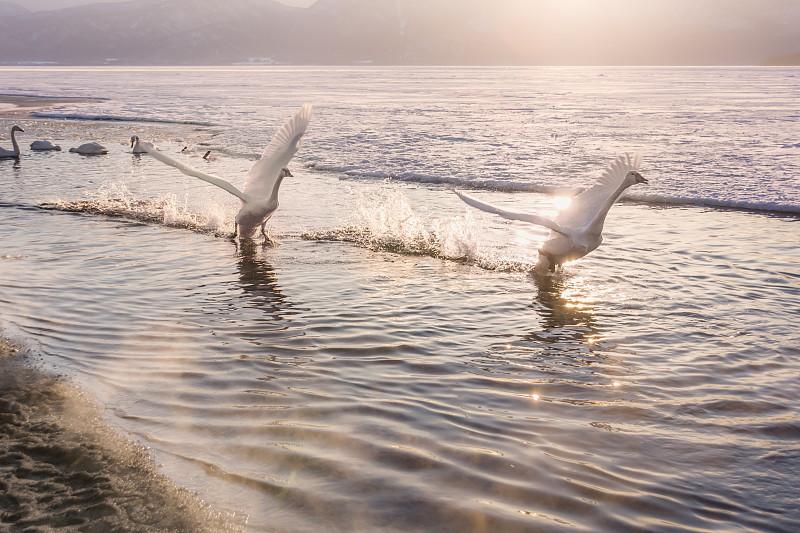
[(235, 229), (546, 262), (267, 240), (553, 264)]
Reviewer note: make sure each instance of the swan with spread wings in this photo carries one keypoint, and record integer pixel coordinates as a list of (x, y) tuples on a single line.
[(260, 195), (578, 229)]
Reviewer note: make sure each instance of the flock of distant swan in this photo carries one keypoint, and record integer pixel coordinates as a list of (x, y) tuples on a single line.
[(91, 148), (574, 232)]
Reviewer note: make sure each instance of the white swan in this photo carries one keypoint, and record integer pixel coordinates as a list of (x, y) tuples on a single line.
[(15, 152), (43, 146), (137, 147), (577, 230), (260, 196), (90, 149)]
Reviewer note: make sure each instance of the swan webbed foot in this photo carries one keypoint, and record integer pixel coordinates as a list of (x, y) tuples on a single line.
[(546, 262), (267, 239)]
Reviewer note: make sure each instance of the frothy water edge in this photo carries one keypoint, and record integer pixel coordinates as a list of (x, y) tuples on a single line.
[(382, 221), (55, 444)]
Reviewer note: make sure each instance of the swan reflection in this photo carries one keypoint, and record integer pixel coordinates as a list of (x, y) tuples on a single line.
[(565, 336), (16, 166), (566, 307), (258, 279)]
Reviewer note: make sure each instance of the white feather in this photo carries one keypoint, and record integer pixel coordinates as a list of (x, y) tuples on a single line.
[(263, 176), (577, 230), (260, 196)]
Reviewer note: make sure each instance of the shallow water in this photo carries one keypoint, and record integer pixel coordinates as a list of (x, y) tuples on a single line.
[(393, 364)]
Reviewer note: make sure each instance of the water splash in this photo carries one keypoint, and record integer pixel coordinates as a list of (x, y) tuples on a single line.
[(384, 220), (115, 200)]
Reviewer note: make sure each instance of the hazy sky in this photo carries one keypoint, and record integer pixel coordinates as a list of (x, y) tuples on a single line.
[(43, 5), (559, 32)]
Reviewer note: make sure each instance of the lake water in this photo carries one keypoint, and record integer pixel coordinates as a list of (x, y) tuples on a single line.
[(392, 364)]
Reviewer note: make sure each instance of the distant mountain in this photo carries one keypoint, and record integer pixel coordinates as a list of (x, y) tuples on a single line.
[(501, 32), (144, 32), (8, 9)]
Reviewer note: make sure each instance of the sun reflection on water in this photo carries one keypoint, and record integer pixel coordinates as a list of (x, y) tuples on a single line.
[(578, 293)]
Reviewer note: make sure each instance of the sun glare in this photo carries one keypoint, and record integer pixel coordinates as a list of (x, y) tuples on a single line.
[(561, 202)]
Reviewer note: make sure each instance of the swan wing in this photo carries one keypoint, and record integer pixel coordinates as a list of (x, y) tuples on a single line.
[(585, 207), (539, 220), (263, 175), (191, 171)]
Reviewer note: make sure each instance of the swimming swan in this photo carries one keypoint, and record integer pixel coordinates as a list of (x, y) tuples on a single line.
[(577, 230), (260, 196), (15, 152), (90, 149), (137, 147), (43, 146)]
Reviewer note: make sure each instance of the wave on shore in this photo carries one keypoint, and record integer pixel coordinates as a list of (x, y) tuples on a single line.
[(61, 467)]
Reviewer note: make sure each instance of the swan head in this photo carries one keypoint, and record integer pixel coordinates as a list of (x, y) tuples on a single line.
[(634, 177), (286, 173), (16, 128), (134, 139)]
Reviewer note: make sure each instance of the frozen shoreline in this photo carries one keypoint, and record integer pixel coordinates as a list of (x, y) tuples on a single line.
[(22, 106)]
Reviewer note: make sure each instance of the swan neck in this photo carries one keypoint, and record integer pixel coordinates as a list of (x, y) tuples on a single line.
[(14, 141), (597, 224), (274, 196)]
